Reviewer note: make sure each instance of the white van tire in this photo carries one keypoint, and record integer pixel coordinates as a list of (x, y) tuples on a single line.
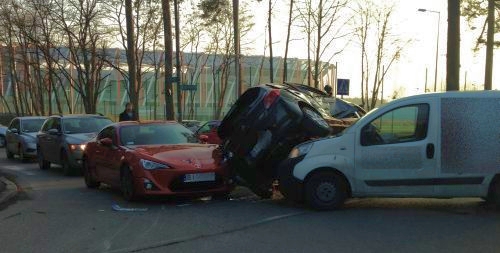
[(325, 190)]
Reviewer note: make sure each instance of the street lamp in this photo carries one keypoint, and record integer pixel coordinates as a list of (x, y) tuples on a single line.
[(437, 44)]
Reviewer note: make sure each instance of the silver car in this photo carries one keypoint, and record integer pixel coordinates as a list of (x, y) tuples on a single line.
[(20, 137)]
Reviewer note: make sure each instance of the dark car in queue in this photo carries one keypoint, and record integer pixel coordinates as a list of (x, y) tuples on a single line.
[(20, 136), (3, 130), (62, 140), (267, 121), (209, 129), (155, 158)]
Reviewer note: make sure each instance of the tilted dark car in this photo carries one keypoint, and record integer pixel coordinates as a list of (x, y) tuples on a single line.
[(266, 122), (192, 125), (20, 137), (209, 129), (62, 140)]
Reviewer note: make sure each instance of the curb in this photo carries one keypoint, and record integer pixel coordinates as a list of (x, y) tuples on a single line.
[(9, 192)]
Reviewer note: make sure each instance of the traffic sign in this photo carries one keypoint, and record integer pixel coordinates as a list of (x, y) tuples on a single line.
[(343, 87), (188, 87)]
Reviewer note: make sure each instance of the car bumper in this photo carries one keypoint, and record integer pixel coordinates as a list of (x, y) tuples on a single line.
[(289, 185), (75, 159), (171, 182)]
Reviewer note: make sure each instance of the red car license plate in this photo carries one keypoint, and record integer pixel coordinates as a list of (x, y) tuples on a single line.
[(199, 177)]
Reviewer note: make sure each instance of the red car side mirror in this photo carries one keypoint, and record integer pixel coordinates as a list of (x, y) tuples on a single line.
[(203, 138), (107, 142)]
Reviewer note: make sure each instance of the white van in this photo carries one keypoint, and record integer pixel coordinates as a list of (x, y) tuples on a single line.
[(432, 145)]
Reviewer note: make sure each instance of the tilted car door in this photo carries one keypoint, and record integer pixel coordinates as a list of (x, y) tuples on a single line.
[(108, 157), (395, 153)]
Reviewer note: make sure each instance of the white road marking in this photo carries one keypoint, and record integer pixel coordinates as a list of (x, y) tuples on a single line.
[(20, 169)]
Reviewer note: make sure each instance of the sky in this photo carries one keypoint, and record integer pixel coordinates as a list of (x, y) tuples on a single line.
[(408, 75)]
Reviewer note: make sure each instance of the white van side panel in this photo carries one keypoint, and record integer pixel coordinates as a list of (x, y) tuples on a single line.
[(470, 144), (470, 135)]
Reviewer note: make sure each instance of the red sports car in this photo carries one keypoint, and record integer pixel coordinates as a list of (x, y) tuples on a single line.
[(154, 158)]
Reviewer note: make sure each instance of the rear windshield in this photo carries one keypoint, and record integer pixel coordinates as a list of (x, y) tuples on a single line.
[(156, 134), (84, 125)]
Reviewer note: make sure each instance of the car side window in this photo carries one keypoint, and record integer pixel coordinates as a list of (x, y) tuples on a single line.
[(56, 124), (404, 124), (47, 125), (108, 132), (205, 128), (15, 124)]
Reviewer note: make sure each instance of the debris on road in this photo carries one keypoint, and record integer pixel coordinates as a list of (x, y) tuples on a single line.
[(118, 208)]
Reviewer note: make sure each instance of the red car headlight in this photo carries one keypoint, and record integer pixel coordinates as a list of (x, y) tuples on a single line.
[(150, 165)]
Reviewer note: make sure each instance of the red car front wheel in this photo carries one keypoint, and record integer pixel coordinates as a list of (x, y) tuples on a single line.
[(127, 184)]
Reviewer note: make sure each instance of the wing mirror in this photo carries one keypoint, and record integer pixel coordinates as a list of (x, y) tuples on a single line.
[(54, 131), (203, 138), (106, 142), (14, 130)]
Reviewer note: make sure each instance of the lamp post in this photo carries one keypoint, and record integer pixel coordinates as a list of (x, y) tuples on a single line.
[(437, 44)]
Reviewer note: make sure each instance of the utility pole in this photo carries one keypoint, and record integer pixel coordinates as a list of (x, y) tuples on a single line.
[(488, 73)]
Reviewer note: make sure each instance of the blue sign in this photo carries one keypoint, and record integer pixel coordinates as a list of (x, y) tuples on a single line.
[(343, 87), (188, 87)]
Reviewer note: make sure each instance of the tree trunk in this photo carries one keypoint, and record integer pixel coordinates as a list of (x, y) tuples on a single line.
[(490, 37), (131, 61), (167, 28)]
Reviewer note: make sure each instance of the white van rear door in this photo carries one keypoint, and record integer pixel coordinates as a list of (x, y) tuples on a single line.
[(395, 153)]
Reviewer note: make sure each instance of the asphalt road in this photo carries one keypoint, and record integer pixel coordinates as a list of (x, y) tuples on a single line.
[(54, 213)]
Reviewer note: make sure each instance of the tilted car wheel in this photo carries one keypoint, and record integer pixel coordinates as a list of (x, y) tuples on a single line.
[(22, 156), (67, 169), (325, 191), (127, 184), (9, 154), (313, 123), (87, 174), (42, 163)]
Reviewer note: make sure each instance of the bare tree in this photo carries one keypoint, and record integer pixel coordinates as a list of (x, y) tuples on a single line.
[(85, 40), (324, 23), (287, 42), (374, 24)]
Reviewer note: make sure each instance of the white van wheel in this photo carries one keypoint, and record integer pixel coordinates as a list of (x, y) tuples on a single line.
[(325, 191)]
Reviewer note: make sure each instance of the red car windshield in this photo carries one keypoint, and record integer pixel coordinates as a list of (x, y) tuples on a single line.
[(155, 134)]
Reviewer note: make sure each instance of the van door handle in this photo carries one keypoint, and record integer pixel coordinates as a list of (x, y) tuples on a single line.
[(430, 151)]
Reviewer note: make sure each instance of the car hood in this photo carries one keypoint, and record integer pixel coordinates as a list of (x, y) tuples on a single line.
[(79, 138), (29, 136), (187, 156)]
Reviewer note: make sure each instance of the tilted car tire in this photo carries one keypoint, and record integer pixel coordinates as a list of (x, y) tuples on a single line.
[(313, 123), (22, 156), (90, 181), (66, 167), (325, 191), (127, 184), (42, 163)]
